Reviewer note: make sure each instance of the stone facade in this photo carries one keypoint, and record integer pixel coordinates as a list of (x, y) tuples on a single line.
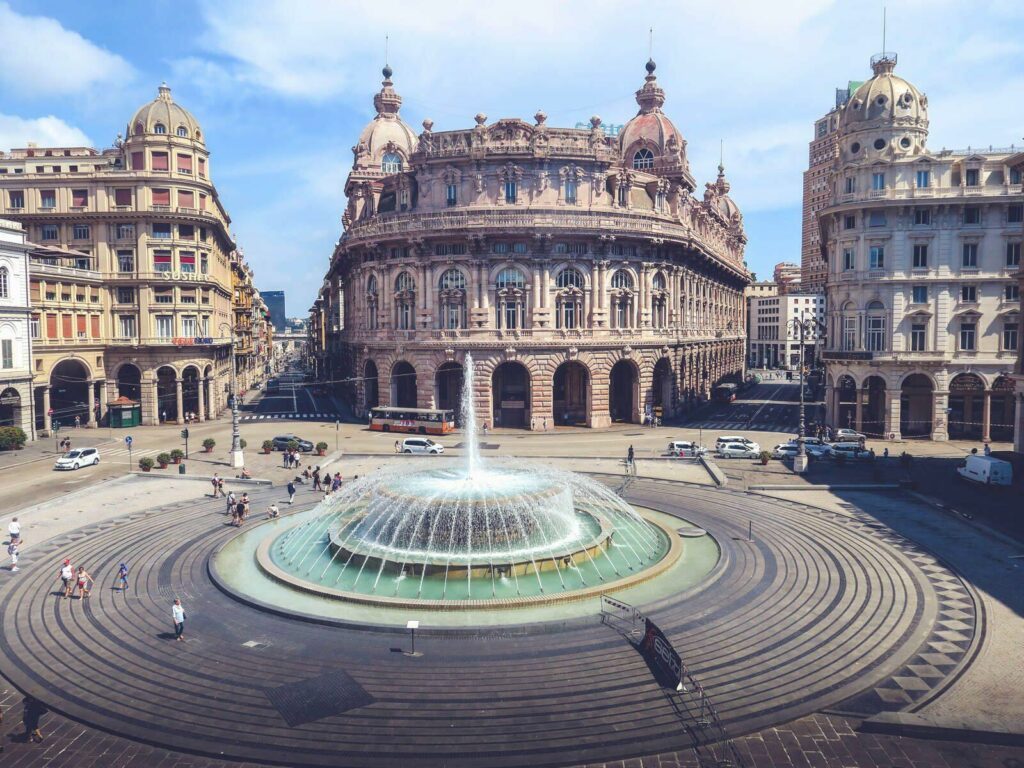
[(923, 252), (15, 341), (132, 278), (581, 272), (774, 341)]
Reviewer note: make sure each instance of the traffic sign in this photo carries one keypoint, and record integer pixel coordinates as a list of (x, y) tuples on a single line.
[(127, 439)]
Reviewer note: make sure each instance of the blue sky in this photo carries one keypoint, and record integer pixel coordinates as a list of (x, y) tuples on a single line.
[(283, 88)]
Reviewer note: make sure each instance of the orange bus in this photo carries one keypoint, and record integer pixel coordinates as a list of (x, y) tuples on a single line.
[(422, 421)]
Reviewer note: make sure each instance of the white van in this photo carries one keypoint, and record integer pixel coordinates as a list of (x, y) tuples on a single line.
[(986, 470), (685, 449)]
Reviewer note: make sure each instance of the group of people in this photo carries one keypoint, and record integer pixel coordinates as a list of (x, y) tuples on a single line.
[(74, 582), (65, 444), (291, 458), (238, 508)]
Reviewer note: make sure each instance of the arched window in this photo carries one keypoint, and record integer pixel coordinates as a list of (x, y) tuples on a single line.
[(5, 283), (849, 327), (183, 131), (139, 128), (405, 282), (510, 277), (659, 301), (452, 298), (569, 278), (643, 160), (874, 333), (659, 281), (511, 298), (453, 279), (159, 128), (372, 303), (622, 279), (391, 162), (405, 302)]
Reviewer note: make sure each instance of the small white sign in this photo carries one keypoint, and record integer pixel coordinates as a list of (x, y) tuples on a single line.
[(412, 625)]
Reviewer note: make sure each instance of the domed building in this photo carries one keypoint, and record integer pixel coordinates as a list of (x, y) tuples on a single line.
[(922, 249), (135, 277), (579, 269)]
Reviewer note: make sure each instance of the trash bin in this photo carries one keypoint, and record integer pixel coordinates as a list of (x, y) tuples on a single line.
[(181, 469)]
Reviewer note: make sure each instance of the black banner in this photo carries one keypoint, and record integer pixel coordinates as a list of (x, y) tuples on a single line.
[(661, 656)]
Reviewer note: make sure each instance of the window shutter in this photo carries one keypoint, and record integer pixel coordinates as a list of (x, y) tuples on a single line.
[(161, 197), (186, 199), (51, 326), (160, 161), (95, 326), (185, 163), (122, 197), (79, 197), (66, 330), (138, 161)]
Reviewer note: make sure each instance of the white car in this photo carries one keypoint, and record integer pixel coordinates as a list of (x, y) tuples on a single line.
[(815, 447), (421, 445), (846, 436), (686, 449), (852, 452), (738, 451), (784, 451), (725, 439), (79, 457)]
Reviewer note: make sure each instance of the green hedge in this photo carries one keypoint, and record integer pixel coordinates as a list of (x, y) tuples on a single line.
[(12, 438)]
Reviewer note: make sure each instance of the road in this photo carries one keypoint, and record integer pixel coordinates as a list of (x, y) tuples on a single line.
[(294, 400), (766, 407)]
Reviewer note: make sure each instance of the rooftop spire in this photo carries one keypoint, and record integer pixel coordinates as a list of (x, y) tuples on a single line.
[(650, 97), (387, 102), (164, 91)]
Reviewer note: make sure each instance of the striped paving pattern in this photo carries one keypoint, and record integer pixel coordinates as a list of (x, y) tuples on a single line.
[(817, 609), (299, 416)]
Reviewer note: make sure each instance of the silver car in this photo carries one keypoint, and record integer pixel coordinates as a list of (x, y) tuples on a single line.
[(738, 451)]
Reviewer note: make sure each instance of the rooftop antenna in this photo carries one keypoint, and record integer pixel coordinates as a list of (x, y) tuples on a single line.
[(883, 29), (386, 50), (721, 152), (650, 43)]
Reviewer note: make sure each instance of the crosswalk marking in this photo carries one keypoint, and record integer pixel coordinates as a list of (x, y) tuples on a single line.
[(296, 416)]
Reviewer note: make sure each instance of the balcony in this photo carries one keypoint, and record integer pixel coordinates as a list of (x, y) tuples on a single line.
[(43, 269)]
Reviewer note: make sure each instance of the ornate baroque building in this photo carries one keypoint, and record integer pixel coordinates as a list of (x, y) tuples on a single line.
[(579, 269), (923, 251), (15, 342), (131, 281)]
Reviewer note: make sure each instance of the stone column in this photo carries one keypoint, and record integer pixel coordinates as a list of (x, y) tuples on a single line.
[(178, 401), (940, 419), (986, 417), (545, 280), (105, 388), (47, 421), (892, 415), (91, 421), (830, 403), (201, 383)]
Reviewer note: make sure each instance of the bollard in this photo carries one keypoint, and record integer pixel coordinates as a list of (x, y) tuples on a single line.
[(181, 469)]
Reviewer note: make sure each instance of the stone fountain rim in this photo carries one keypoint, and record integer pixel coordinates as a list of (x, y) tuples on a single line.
[(265, 563)]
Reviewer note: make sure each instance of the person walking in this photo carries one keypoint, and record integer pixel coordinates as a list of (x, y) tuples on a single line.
[(78, 421), (31, 717), (316, 480), (284, 458), (291, 492), (239, 514), (231, 502), (83, 583), (220, 486), (398, 444), (215, 482), (988, 449), (630, 455), (245, 505), (178, 614), (12, 551), (122, 577), (14, 531), (67, 578)]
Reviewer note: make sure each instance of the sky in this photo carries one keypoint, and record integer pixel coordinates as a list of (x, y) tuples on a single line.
[(283, 88)]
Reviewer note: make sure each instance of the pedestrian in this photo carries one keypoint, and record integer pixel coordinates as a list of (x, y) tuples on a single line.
[(215, 482), (14, 531), (239, 515), (67, 577), (83, 582), (336, 483), (220, 485), (122, 577), (78, 421), (12, 551), (296, 460), (164, 417), (231, 503), (273, 513), (485, 429), (988, 449), (316, 480), (545, 423), (178, 614), (398, 444), (885, 453), (630, 455), (31, 715), (245, 505), (284, 458), (291, 492)]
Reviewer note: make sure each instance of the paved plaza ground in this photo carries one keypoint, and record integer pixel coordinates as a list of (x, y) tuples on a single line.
[(861, 624)]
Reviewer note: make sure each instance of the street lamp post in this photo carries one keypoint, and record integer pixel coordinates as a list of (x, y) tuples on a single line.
[(801, 326), (237, 459)]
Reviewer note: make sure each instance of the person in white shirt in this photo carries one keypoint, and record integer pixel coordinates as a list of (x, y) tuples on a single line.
[(178, 614), (12, 550), (14, 531), (67, 577), (273, 511)]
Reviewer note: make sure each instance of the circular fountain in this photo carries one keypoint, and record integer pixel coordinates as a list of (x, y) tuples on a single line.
[(466, 536)]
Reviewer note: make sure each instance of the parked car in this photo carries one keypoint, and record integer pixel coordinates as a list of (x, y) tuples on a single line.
[(738, 451), (686, 449), (819, 451), (281, 443), (986, 470), (851, 452), (784, 451), (79, 457), (421, 445), (736, 439), (847, 435)]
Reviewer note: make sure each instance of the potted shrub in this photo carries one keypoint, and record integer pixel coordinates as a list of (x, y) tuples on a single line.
[(765, 457), (177, 455), (208, 444), (293, 445), (163, 459), (268, 446), (12, 438), (321, 448), (145, 463)]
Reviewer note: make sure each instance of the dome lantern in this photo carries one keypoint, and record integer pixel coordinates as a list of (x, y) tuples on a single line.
[(164, 116)]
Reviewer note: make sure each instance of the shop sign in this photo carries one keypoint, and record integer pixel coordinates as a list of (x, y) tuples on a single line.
[(193, 341)]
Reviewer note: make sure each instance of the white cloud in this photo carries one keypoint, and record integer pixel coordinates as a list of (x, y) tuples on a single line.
[(38, 56), (47, 131)]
